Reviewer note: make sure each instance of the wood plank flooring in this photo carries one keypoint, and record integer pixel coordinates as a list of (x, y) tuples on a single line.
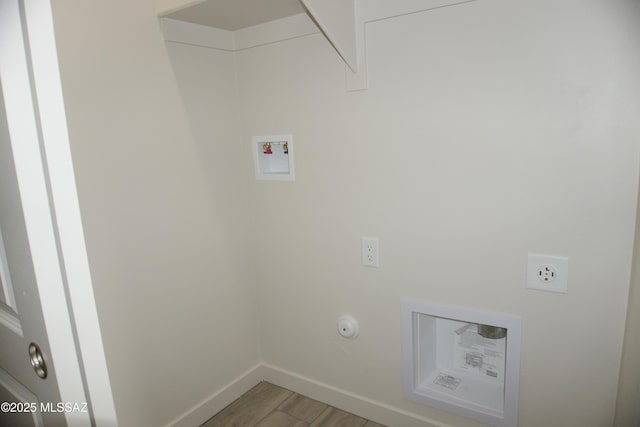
[(267, 405)]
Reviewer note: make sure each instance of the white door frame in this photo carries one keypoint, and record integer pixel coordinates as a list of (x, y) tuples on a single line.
[(80, 363)]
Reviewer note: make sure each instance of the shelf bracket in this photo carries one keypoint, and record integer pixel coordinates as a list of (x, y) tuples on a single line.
[(339, 22)]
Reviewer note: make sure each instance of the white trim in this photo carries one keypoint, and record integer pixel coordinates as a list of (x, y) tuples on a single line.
[(31, 178), (349, 40), (21, 394), (382, 9), (279, 30), (9, 309), (334, 396), (213, 404), (174, 6), (177, 31), (68, 225), (10, 321), (5, 278), (337, 20), (359, 79), (345, 400)]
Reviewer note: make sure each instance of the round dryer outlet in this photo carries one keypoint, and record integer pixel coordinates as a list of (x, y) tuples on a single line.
[(547, 273)]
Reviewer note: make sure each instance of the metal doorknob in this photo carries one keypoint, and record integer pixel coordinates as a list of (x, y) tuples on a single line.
[(37, 361)]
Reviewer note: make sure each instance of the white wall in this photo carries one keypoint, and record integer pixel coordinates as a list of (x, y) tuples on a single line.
[(165, 220), (489, 130)]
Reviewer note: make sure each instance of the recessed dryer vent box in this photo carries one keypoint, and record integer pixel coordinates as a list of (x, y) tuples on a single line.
[(273, 157), (462, 360)]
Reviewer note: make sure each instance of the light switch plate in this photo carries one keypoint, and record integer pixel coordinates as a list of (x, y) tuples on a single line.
[(548, 273)]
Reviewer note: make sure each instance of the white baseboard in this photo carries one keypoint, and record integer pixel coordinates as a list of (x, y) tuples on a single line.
[(347, 401), (342, 399), (210, 406)]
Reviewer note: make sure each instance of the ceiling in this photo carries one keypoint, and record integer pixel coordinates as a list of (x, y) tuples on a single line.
[(233, 15)]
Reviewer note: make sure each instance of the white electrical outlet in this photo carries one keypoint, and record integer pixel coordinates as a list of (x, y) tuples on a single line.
[(548, 273), (370, 252)]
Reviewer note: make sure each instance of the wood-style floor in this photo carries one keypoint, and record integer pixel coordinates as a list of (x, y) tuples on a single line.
[(267, 405)]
